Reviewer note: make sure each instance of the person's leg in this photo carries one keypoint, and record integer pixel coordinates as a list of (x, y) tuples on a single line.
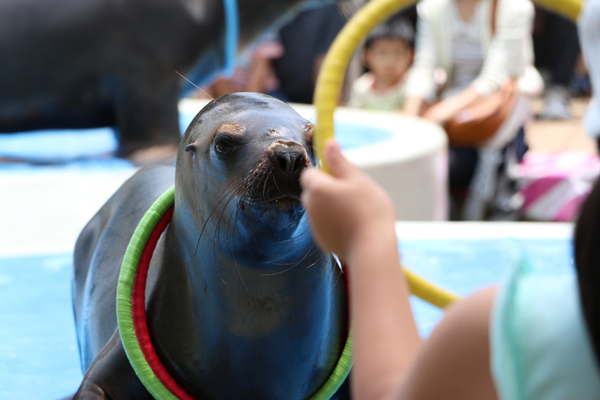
[(562, 34), (521, 146), (463, 161), (565, 42), (462, 164)]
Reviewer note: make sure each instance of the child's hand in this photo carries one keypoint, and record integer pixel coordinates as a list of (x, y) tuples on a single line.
[(347, 208)]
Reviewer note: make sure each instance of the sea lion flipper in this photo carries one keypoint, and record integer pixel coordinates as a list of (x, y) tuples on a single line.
[(111, 377)]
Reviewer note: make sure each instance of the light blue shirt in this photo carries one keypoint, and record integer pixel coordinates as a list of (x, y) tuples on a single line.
[(540, 347)]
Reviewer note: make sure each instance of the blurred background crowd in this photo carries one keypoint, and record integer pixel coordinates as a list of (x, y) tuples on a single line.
[(506, 80), (443, 59)]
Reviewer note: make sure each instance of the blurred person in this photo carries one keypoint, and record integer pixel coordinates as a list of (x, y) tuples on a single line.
[(556, 48), (306, 40), (254, 72), (466, 51), (534, 337), (387, 55), (456, 36), (589, 33)]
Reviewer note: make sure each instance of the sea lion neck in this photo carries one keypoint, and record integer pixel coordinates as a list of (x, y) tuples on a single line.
[(247, 308), (223, 235)]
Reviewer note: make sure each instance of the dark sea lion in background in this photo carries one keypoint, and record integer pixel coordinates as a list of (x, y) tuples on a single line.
[(86, 64), (241, 303)]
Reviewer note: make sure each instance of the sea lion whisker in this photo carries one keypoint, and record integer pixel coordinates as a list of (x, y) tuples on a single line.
[(258, 241), (316, 261), (264, 183), (309, 253), (281, 247), (224, 202), (235, 263), (277, 186), (208, 94), (236, 192), (305, 232), (230, 196), (339, 275), (224, 193), (280, 272), (306, 255), (333, 270)]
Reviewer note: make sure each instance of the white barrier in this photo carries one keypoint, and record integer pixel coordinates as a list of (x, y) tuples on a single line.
[(411, 165)]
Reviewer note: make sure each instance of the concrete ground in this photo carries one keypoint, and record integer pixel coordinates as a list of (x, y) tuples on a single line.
[(559, 135)]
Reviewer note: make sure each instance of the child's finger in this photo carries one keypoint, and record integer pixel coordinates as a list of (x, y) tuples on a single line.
[(309, 179), (306, 177), (312, 177), (339, 166)]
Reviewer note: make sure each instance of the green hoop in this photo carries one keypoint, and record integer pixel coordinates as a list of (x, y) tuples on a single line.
[(125, 289), (125, 320)]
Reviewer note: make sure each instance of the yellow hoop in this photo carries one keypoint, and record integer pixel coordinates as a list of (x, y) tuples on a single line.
[(330, 81), (567, 8)]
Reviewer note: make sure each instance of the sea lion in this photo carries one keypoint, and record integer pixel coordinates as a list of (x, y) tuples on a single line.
[(241, 303), (86, 64)]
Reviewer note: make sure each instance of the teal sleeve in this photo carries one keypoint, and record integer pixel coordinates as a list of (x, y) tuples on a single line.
[(540, 348)]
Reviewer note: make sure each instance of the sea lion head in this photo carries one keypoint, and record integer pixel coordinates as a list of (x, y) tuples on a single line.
[(238, 168)]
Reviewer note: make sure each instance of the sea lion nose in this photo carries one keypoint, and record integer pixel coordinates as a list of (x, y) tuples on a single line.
[(292, 160)]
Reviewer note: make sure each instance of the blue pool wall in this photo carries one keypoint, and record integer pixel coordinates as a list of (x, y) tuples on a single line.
[(38, 348)]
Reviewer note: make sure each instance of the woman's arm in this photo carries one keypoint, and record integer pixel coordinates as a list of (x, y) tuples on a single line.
[(257, 75), (261, 67), (420, 83), (505, 59), (441, 112), (220, 88), (510, 49)]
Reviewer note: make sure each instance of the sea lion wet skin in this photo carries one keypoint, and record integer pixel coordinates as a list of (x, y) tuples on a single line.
[(87, 64), (240, 301)]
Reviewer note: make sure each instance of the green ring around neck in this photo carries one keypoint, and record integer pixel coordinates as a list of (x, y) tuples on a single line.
[(125, 320)]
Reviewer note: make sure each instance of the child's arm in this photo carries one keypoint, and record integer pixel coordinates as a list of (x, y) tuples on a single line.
[(413, 106), (354, 218)]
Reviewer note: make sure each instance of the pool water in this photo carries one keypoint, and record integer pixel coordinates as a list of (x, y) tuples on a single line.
[(52, 146), (38, 348), (464, 266)]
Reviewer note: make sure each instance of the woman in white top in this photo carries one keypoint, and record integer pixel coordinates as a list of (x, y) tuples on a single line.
[(455, 39), (456, 36)]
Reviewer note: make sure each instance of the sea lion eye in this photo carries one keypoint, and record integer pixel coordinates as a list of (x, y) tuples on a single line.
[(224, 145)]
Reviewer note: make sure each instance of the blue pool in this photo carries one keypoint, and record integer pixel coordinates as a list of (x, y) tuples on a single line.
[(69, 145), (38, 349)]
